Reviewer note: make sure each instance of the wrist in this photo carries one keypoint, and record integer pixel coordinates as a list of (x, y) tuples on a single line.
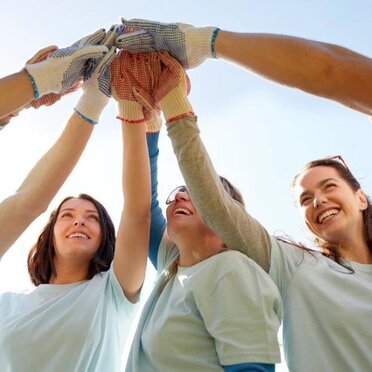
[(130, 111), (90, 106), (201, 43), (175, 105)]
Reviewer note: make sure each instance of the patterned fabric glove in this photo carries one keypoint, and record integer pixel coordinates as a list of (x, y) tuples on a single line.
[(189, 44), (173, 88), (64, 67), (135, 75), (154, 123), (96, 88), (50, 98)]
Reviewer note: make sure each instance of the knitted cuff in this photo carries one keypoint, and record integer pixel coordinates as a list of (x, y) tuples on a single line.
[(130, 111), (90, 106), (154, 123), (42, 80), (175, 105), (200, 45)]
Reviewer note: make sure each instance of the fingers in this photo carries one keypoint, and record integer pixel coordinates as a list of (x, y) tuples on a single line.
[(107, 59), (143, 24), (94, 38), (91, 51), (145, 99), (138, 41), (112, 34), (42, 54)]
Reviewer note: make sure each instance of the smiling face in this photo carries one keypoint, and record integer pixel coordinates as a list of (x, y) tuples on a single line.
[(77, 231), (331, 209), (182, 217)]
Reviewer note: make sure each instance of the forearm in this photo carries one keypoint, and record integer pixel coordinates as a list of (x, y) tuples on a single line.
[(15, 92), (226, 217), (43, 182), (318, 68), (133, 234), (158, 222)]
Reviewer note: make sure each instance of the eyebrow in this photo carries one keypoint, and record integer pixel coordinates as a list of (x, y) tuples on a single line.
[(72, 209), (321, 183)]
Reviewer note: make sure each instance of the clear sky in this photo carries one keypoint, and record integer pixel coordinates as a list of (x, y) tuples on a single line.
[(258, 133)]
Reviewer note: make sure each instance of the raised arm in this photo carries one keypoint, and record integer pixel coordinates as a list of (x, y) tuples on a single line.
[(322, 69), (50, 172), (218, 210), (51, 71), (132, 242), (158, 222)]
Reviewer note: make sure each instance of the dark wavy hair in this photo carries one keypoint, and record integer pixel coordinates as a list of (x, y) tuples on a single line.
[(343, 171), (40, 261)]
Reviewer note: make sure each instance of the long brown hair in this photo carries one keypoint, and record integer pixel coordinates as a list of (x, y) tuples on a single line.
[(336, 162), (40, 261)]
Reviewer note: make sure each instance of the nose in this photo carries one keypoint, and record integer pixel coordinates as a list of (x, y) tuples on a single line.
[(319, 199), (79, 222), (182, 195)]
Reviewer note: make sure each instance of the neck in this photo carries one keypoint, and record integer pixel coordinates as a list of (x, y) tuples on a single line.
[(356, 249), (69, 272), (194, 249)]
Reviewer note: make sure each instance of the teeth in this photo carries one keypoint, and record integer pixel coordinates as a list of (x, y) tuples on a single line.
[(78, 235), (182, 211), (327, 214)]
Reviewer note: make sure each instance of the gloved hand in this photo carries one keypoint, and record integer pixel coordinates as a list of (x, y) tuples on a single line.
[(64, 67), (50, 98), (154, 122), (190, 45), (133, 75), (172, 90), (111, 35), (96, 89)]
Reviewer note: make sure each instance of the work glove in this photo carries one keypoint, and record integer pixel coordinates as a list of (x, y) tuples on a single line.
[(135, 75), (96, 89), (64, 67), (190, 45)]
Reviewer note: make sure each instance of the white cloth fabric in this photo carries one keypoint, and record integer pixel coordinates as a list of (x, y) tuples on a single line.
[(327, 311), (76, 327), (224, 310)]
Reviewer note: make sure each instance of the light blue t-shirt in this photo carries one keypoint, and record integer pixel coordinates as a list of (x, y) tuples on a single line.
[(327, 311), (77, 327), (224, 310)]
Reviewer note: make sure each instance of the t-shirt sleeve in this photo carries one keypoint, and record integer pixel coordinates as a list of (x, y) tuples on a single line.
[(238, 230), (286, 259), (115, 292), (158, 222), (242, 311)]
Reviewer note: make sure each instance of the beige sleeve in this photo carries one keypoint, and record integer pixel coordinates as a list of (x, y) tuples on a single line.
[(219, 211)]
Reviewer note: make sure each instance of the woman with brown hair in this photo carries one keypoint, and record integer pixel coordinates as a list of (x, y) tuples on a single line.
[(211, 309), (87, 281)]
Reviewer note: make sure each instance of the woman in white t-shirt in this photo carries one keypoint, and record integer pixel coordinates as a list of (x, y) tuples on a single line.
[(87, 281)]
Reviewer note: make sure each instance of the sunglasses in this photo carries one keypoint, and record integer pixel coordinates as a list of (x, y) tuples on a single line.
[(339, 159), (172, 196)]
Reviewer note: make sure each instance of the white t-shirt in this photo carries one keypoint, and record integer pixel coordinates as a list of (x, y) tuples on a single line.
[(71, 327), (327, 311), (224, 310)]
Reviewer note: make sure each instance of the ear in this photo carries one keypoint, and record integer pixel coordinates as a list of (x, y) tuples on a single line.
[(362, 200)]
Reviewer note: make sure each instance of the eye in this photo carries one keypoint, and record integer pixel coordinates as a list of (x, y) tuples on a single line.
[(330, 186), (66, 214), (93, 217), (305, 200)]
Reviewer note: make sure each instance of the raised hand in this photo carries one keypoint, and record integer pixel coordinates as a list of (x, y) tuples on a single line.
[(64, 67), (190, 45), (135, 75), (96, 88)]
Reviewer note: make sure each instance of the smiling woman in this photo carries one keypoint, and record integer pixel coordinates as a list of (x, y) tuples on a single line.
[(70, 239)]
